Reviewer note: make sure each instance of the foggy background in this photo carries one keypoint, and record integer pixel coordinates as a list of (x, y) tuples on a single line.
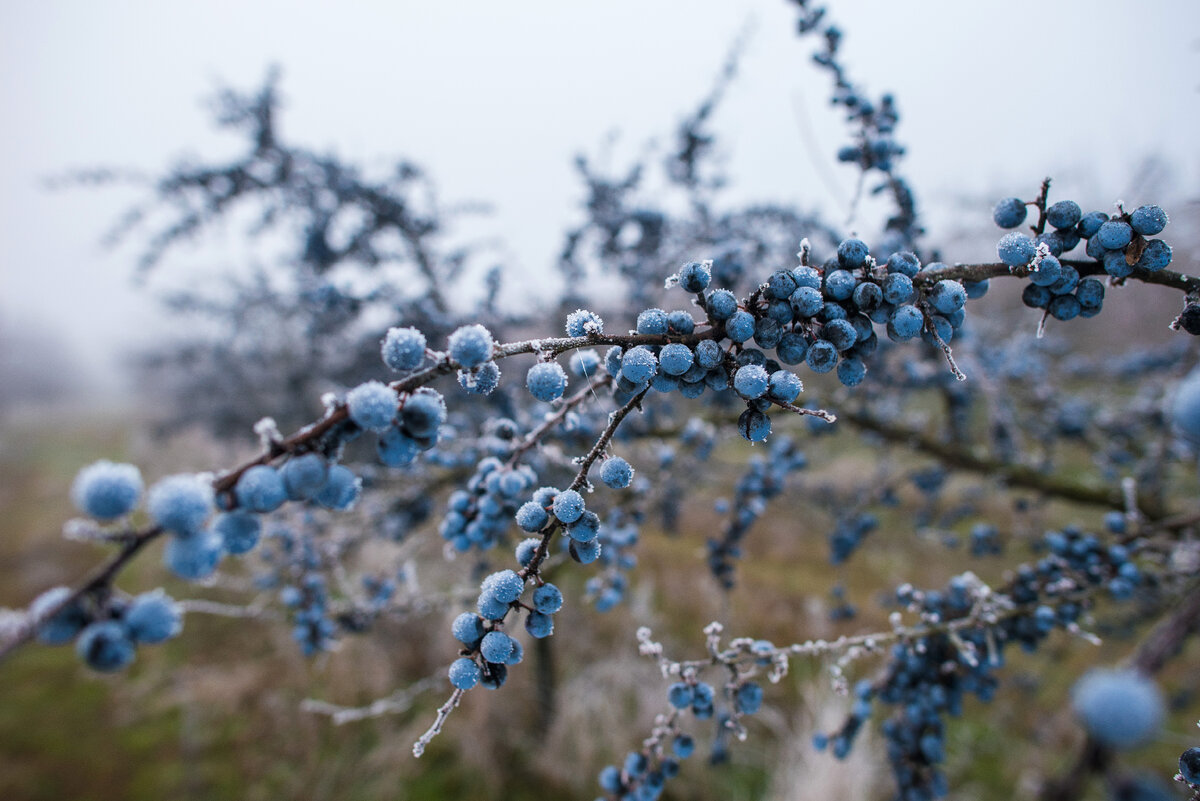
[(494, 101)]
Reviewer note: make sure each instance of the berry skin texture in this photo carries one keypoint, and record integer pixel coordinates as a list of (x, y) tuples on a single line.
[(180, 503), (470, 345), (1009, 213), (496, 647), (751, 381), (1148, 220), (568, 506), (1115, 234), (467, 629), (1016, 249), (372, 405), (722, 304), (581, 322), (822, 356), (153, 617), (105, 646), (784, 386), (1064, 214), (616, 472), (695, 276), (639, 365), (652, 321), (464, 673), (505, 586), (905, 322), (546, 381), (260, 489), (403, 349), (239, 531), (1189, 766), (852, 253), (106, 491), (1119, 708), (547, 599), (948, 296), (676, 358), (532, 517), (740, 327)]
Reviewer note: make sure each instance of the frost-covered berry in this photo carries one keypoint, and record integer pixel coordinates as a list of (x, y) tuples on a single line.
[(676, 358), (105, 646), (807, 301), (194, 556), (852, 371), (740, 327), (496, 647), (1119, 708), (403, 348), (1016, 249), (751, 381), (1148, 220), (532, 517), (464, 673), (504, 585), (539, 625), (1156, 256), (568, 506), (63, 626), (616, 472), (754, 425), (239, 531), (652, 321), (1114, 234), (680, 695), (372, 405), (1009, 213), (303, 476), (897, 289), (397, 449), (1189, 766), (695, 276), (639, 365), (1047, 272), (722, 304), (481, 380), (106, 491), (822, 356), (546, 381), (1064, 214), (470, 345), (341, 489), (547, 599), (586, 528), (840, 333), (784, 386), (852, 253), (948, 296), (582, 322), (748, 698), (904, 263), (468, 629), (260, 489), (180, 503), (905, 323), (153, 617), (423, 412), (584, 362)]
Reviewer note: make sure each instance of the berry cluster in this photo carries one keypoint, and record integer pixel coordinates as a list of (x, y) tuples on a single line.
[(107, 630)]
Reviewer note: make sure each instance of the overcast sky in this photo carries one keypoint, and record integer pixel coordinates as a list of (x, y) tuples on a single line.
[(495, 98)]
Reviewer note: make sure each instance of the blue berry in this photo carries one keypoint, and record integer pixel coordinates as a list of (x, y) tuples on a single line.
[(468, 629), (260, 489), (1156, 256), (193, 556), (341, 489), (681, 322), (1064, 307), (1189, 766), (539, 625), (897, 289), (806, 276), (1009, 213), (63, 626), (683, 746), (610, 779), (680, 695), (754, 426), (675, 358), (695, 276), (303, 476), (792, 348), (639, 365), (397, 449), (1148, 220), (464, 673), (852, 371), (586, 528), (481, 380), (1119, 708), (153, 617), (722, 304), (840, 284), (584, 362), (1016, 249), (546, 381), (180, 503), (807, 301), (708, 354), (840, 333), (740, 327), (496, 647), (1114, 234), (423, 412), (616, 472), (904, 263), (526, 549), (505, 586), (906, 322), (470, 345), (582, 322), (948, 296), (1048, 271), (403, 348), (1090, 224), (852, 253), (784, 386), (105, 646), (532, 517), (822, 356), (106, 491), (372, 405), (748, 698), (976, 289), (547, 599), (652, 321), (751, 381), (239, 531), (568, 506), (1064, 214)]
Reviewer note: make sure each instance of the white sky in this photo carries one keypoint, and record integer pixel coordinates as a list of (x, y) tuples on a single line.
[(495, 98)]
